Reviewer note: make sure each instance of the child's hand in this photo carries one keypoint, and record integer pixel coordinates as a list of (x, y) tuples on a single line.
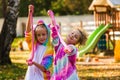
[(68, 49), (51, 26), (31, 8), (29, 62)]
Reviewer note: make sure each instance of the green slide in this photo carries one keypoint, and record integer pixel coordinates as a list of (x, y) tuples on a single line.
[(93, 39)]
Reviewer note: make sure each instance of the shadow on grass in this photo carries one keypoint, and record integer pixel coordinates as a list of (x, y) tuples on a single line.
[(15, 71)]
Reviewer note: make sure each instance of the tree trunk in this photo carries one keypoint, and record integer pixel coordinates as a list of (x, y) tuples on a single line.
[(8, 32), (4, 6)]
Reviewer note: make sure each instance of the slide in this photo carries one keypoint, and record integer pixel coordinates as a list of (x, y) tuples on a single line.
[(93, 39)]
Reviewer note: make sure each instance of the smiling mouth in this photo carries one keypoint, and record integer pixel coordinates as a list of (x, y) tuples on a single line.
[(42, 40)]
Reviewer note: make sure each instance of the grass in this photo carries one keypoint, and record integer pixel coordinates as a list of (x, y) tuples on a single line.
[(17, 41), (17, 70)]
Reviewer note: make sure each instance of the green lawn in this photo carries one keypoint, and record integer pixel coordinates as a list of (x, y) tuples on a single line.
[(16, 71)]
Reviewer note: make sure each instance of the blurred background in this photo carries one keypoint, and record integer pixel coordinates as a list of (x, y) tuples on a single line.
[(67, 12)]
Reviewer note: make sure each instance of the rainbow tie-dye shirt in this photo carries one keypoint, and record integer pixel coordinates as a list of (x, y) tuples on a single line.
[(43, 54)]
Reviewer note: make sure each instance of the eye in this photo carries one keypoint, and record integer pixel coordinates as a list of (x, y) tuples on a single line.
[(72, 33), (38, 34)]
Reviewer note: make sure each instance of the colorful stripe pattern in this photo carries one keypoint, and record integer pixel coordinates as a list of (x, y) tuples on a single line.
[(64, 64), (47, 57)]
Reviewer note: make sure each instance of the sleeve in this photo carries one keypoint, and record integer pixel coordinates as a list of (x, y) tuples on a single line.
[(28, 39), (56, 40), (47, 62), (74, 51), (73, 55), (54, 33)]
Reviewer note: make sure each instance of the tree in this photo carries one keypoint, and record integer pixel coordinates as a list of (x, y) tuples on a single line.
[(4, 5), (71, 7), (8, 32)]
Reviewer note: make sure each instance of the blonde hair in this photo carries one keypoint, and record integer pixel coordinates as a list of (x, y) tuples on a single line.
[(83, 37)]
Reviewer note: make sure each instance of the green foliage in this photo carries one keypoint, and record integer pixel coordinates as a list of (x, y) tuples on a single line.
[(60, 7), (41, 7)]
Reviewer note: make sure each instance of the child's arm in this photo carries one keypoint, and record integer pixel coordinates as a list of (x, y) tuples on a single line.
[(56, 40), (28, 38), (54, 27), (70, 50), (45, 65), (42, 68), (28, 25), (54, 31), (28, 35)]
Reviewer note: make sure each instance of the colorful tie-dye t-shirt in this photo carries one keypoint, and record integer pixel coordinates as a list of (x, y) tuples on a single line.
[(64, 64), (43, 55)]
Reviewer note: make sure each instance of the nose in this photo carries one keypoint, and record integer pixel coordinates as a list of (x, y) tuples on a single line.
[(41, 36), (72, 35)]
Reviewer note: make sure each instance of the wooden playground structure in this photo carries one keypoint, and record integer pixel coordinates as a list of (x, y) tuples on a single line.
[(107, 11)]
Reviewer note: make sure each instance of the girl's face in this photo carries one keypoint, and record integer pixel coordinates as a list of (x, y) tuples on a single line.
[(41, 34), (73, 37)]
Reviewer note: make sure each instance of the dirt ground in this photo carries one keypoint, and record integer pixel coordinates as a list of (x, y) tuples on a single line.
[(98, 68)]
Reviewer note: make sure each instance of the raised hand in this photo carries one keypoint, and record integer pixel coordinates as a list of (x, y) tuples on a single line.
[(29, 62), (31, 8), (51, 14)]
